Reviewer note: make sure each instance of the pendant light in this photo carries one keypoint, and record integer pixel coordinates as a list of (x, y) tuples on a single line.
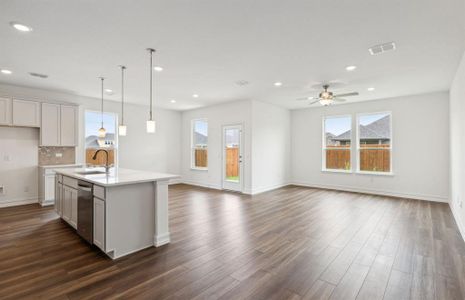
[(151, 123), (102, 132), (122, 129)]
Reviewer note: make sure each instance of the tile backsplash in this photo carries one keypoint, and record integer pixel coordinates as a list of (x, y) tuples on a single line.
[(57, 155)]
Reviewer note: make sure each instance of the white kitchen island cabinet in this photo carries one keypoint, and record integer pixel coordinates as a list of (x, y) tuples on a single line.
[(130, 208)]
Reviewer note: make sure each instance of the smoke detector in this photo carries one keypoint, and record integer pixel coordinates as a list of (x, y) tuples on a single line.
[(242, 82), (382, 48), (43, 76)]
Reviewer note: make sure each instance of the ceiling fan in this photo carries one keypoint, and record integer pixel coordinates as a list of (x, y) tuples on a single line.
[(327, 98)]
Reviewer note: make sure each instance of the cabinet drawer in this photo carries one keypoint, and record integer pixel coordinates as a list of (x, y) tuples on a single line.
[(99, 192), (71, 182)]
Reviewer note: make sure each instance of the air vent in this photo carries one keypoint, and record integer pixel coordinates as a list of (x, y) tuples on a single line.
[(382, 48), (38, 75)]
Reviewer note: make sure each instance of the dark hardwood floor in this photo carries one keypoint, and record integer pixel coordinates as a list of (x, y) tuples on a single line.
[(291, 243)]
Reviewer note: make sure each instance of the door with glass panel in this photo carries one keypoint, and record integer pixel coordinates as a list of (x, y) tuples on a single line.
[(232, 158)]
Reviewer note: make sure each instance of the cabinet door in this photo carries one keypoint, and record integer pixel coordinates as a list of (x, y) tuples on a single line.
[(99, 223), (74, 208), (5, 111), (66, 201), (69, 125), (50, 125), (58, 202), (26, 113), (49, 186)]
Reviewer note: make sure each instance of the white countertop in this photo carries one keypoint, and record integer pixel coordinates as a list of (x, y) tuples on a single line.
[(59, 166), (117, 176)]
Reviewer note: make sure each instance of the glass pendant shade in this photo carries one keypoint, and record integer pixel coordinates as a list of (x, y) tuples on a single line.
[(151, 125), (326, 102), (122, 130), (102, 132)]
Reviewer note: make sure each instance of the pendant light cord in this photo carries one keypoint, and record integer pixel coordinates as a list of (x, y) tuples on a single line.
[(122, 94), (151, 81), (101, 111)]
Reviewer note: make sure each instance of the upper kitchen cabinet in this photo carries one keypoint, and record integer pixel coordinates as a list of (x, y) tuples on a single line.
[(5, 111), (26, 113), (50, 127), (69, 121), (59, 125)]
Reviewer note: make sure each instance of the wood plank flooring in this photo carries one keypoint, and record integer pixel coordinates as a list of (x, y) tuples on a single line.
[(291, 243)]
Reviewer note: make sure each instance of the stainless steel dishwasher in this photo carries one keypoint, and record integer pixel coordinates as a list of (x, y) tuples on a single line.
[(85, 217)]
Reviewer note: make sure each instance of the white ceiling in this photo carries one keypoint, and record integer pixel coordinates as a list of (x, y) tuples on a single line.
[(206, 46)]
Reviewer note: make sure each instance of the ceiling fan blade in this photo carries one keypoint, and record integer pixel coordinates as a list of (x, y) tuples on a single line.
[(313, 102), (339, 100), (305, 98), (347, 94)]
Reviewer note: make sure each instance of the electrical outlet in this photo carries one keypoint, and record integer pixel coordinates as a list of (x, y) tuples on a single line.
[(58, 154)]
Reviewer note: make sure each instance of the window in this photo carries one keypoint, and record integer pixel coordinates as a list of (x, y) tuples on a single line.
[(199, 144), (337, 140), (374, 142), (93, 122)]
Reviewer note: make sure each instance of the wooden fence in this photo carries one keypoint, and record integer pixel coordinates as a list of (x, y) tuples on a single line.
[(232, 162), (379, 159), (100, 160), (201, 158)]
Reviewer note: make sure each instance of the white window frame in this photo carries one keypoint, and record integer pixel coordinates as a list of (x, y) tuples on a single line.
[(323, 145), (193, 167), (116, 146), (357, 130)]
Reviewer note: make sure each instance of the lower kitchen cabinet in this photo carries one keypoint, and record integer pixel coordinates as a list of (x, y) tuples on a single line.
[(99, 223), (70, 208)]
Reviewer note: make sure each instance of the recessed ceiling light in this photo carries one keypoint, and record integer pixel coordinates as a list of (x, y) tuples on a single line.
[(20, 27), (173, 101), (351, 68), (108, 90), (278, 83), (4, 71), (370, 89), (195, 96), (158, 69)]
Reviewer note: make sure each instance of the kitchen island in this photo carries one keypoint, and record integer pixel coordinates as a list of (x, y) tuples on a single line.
[(120, 212)]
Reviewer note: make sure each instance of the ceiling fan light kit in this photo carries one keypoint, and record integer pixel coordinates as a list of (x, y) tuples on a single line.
[(326, 97)]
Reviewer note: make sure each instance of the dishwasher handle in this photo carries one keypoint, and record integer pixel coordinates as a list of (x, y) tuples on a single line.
[(84, 188)]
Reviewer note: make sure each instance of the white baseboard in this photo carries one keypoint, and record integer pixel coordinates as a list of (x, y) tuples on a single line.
[(260, 190), (17, 202), (455, 212), (433, 198), (162, 239), (174, 181), (195, 183)]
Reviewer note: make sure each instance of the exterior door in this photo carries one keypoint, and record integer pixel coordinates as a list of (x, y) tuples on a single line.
[(232, 158)]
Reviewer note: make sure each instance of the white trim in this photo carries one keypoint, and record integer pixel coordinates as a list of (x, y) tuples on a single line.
[(161, 240), (357, 141), (455, 212), (200, 184), (192, 165), (260, 190), (324, 146), (375, 173), (434, 198), (174, 181), (19, 201), (241, 155), (336, 171)]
